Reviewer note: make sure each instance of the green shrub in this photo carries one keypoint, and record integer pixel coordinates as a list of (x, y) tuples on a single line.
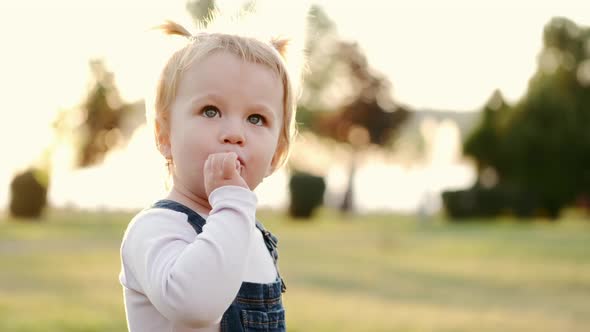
[(478, 202), (28, 194), (307, 193)]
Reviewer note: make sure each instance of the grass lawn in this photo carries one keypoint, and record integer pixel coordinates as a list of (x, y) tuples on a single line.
[(369, 273)]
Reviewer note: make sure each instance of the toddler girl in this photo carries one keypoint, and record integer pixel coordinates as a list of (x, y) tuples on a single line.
[(198, 260)]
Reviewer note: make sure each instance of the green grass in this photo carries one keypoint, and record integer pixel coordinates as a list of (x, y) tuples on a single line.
[(369, 273)]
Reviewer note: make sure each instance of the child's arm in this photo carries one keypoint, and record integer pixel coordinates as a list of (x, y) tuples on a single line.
[(191, 280)]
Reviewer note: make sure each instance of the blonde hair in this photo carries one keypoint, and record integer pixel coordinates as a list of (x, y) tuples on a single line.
[(270, 53)]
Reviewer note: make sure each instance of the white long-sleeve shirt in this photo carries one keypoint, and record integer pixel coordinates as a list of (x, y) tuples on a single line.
[(174, 280)]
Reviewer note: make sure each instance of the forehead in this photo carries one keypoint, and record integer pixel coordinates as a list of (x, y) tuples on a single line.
[(226, 74)]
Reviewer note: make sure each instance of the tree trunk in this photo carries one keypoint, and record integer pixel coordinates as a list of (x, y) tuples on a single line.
[(347, 205)]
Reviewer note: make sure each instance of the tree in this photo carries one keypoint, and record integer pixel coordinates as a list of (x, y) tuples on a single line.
[(484, 142), (200, 10), (344, 98), (102, 121), (541, 145)]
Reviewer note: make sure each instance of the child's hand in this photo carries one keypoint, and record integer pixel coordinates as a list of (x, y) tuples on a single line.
[(222, 169)]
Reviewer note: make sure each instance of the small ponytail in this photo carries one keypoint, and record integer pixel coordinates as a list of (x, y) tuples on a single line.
[(280, 44), (173, 28)]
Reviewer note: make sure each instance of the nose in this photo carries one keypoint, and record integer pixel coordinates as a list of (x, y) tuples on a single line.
[(232, 133)]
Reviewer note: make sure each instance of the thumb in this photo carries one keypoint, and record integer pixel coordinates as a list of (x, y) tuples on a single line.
[(229, 166)]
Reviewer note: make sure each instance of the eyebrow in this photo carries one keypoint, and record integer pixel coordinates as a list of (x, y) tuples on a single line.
[(206, 96)]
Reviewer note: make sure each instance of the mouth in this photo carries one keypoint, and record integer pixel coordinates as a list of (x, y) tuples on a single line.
[(241, 161), (240, 166)]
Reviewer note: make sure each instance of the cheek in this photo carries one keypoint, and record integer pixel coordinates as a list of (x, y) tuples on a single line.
[(188, 153), (264, 151), (269, 153)]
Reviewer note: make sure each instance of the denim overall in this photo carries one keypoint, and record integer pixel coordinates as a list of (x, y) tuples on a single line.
[(257, 307)]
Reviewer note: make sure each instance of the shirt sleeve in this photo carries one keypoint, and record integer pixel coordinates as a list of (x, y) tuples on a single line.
[(193, 279)]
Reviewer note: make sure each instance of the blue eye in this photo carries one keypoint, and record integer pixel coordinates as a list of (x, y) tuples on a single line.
[(210, 111), (256, 119)]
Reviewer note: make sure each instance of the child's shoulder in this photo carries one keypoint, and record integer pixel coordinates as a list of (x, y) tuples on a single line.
[(154, 221)]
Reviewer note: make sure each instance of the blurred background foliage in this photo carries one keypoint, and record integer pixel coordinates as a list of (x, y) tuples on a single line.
[(532, 157)]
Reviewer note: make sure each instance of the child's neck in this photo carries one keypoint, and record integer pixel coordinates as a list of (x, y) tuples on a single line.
[(196, 203)]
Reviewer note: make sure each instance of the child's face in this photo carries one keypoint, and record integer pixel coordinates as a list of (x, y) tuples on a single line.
[(224, 104)]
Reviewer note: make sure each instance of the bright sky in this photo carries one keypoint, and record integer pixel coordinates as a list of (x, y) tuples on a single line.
[(452, 54), (438, 54)]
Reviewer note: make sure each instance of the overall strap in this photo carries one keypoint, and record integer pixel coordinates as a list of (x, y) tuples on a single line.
[(193, 218), (271, 242)]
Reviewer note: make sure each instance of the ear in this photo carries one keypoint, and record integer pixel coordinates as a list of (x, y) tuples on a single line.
[(163, 141), (274, 163), (270, 169)]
